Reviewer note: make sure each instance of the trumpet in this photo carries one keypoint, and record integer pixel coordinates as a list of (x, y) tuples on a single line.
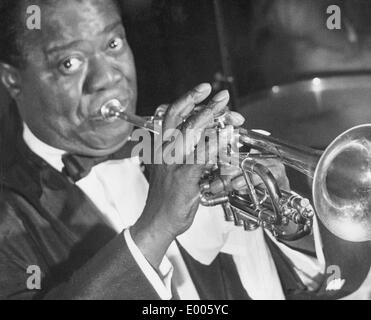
[(341, 183)]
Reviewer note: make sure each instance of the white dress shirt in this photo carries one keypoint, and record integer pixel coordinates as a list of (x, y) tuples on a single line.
[(119, 190)]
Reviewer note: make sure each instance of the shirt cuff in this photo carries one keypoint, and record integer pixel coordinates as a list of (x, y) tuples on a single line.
[(161, 281)]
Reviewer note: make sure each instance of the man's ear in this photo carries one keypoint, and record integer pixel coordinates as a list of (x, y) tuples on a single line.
[(10, 78)]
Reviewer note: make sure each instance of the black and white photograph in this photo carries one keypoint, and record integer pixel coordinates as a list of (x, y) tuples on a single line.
[(205, 151)]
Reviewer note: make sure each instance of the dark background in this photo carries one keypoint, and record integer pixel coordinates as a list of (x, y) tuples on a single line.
[(176, 45)]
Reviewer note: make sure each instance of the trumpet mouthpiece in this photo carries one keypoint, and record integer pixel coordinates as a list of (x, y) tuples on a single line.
[(111, 109)]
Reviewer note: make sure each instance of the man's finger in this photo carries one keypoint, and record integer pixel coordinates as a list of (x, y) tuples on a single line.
[(205, 117), (234, 119), (181, 109), (194, 128)]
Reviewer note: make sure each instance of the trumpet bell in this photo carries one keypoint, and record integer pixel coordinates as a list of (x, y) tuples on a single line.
[(342, 185)]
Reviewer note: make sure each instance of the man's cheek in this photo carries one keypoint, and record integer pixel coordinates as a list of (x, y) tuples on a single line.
[(67, 104), (69, 88)]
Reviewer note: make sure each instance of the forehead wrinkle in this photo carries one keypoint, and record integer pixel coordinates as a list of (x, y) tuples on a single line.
[(63, 24), (69, 25), (66, 25)]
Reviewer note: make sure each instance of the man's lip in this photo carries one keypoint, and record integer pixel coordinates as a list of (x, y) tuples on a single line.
[(125, 95)]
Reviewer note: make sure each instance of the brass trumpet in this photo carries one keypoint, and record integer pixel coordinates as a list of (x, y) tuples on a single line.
[(341, 183)]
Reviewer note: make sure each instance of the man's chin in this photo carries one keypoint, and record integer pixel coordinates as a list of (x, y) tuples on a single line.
[(100, 150), (98, 145)]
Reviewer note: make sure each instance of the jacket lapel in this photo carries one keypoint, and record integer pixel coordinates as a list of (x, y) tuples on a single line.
[(351, 259), (66, 225), (347, 266)]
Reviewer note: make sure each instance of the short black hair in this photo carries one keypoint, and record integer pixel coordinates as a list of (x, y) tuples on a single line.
[(12, 30)]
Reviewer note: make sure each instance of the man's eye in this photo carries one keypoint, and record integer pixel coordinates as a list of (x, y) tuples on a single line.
[(116, 44), (70, 65)]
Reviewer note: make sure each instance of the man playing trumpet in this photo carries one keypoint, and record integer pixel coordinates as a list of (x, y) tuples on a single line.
[(103, 232)]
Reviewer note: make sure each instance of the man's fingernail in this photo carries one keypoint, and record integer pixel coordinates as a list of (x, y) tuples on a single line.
[(202, 87), (238, 117), (221, 96)]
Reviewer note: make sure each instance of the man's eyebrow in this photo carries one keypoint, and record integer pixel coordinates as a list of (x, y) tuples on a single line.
[(112, 26), (61, 47)]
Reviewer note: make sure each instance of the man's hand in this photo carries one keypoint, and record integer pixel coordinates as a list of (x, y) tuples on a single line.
[(174, 192)]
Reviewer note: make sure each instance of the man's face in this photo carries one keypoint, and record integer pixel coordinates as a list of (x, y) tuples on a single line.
[(78, 61)]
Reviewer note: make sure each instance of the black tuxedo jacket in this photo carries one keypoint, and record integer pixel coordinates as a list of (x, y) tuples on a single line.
[(45, 220)]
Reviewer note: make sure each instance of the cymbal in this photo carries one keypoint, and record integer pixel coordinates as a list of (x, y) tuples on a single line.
[(312, 111)]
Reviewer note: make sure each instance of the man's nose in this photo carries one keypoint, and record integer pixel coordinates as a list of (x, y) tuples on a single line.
[(102, 75)]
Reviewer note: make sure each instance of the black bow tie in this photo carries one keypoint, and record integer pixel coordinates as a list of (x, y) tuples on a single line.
[(77, 167)]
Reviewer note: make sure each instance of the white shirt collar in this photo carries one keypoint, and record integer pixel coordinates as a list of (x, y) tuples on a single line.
[(50, 154)]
